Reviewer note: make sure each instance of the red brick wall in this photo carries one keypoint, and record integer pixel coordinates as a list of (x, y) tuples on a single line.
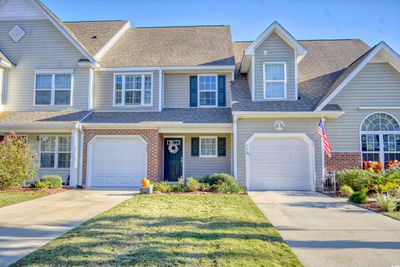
[(343, 160), (154, 148)]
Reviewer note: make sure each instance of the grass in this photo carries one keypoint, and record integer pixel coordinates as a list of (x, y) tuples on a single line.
[(394, 215), (171, 230), (9, 198)]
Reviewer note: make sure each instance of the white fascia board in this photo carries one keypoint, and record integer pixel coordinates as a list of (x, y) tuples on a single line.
[(379, 108), (29, 128), (209, 67), (175, 126), (5, 64), (283, 33), (101, 53), (295, 115), (63, 31), (379, 47), (88, 64)]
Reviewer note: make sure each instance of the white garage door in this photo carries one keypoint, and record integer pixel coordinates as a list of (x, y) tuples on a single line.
[(279, 163), (118, 162)]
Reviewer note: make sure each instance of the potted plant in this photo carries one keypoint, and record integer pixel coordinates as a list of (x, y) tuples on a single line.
[(147, 187)]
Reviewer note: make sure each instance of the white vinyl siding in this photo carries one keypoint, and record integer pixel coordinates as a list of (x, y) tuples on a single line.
[(176, 89), (277, 50), (105, 86), (51, 51), (377, 84)]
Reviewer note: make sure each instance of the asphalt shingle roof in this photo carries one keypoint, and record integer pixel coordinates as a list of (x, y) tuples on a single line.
[(35, 118), (183, 115), (326, 61)]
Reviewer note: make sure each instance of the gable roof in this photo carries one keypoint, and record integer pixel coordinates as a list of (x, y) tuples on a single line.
[(324, 63), (172, 46), (354, 68), (94, 35), (63, 29)]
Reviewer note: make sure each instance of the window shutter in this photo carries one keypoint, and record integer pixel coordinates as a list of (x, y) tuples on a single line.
[(193, 91), (195, 146), (221, 91), (221, 146)]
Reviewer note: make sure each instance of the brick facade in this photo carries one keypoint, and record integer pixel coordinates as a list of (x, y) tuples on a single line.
[(154, 149), (343, 160)]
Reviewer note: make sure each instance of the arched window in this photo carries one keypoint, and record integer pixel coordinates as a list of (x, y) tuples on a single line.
[(380, 138)]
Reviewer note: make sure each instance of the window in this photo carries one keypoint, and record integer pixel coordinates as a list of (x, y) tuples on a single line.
[(207, 90), (55, 151), (53, 88), (274, 80), (208, 146), (380, 138), (133, 89)]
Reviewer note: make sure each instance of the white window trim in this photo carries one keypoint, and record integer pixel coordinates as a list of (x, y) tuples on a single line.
[(216, 91), (123, 74), (272, 81), (216, 146), (56, 152), (53, 73), (381, 151)]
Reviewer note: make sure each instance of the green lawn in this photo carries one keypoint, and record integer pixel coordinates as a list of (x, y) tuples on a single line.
[(171, 230), (395, 215), (9, 198)]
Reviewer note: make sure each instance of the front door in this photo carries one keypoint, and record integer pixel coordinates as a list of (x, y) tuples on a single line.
[(173, 159)]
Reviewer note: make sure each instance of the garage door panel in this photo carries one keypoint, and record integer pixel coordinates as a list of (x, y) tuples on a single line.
[(118, 162), (279, 164)]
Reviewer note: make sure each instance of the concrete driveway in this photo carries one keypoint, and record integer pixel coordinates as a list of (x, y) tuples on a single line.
[(325, 231), (27, 226)]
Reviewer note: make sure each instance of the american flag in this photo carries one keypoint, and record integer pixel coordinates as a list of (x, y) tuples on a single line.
[(321, 132)]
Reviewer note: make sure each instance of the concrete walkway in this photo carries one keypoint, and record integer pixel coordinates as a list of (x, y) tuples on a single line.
[(325, 231), (27, 226)]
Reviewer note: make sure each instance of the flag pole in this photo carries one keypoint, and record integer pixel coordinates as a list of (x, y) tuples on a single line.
[(323, 154)]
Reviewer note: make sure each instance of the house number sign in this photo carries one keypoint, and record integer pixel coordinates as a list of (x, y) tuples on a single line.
[(279, 125)]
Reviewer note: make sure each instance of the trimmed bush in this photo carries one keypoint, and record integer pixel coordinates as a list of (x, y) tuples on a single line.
[(346, 190), (227, 188), (162, 187), (40, 185), (178, 188), (218, 178), (205, 188), (386, 202), (17, 162), (358, 197), (53, 181), (352, 178), (192, 184)]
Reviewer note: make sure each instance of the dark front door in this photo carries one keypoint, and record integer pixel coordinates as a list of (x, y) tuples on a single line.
[(173, 159)]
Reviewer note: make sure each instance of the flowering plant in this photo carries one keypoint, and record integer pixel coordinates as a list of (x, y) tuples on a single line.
[(392, 163), (373, 166)]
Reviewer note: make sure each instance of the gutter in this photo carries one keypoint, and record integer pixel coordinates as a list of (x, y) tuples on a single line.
[(267, 114)]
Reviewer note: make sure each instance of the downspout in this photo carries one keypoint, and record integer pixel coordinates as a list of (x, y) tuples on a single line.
[(235, 118)]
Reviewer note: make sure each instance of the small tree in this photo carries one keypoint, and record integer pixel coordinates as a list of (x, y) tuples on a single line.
[(17, 162)]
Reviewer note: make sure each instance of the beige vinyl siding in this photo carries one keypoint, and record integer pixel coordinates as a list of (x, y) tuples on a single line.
[(10, 9), (247, 127), (104, 89), (198, 166), (277, 51), (33, 141), (42, 47), (377, 84), (176, 89)]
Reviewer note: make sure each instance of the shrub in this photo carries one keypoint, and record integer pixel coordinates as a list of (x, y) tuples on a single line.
[(40, 185), (192, 184), (227, 188), (386, 202), (53, 181), (351, 177), (178, 188), (205, 188), (218, 178), (17, 162), (163, 187), (358, 197), (346, 190)]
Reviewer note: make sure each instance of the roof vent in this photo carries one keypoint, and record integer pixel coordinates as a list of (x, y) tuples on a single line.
[(17, 33), (94, 37)]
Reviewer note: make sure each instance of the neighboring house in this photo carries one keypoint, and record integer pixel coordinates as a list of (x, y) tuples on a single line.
[(106, 104)]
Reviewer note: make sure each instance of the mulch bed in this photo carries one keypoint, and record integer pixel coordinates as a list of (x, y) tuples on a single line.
[(372, 205), (46, 191)]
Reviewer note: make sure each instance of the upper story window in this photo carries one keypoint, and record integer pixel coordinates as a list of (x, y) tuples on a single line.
[(274, 80), (53, 88), (208, 85), (133, 89)]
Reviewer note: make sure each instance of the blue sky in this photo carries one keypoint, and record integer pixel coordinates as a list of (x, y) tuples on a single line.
[(369, 20)]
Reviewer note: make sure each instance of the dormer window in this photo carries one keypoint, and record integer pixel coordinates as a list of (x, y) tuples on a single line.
[(274, 80)]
